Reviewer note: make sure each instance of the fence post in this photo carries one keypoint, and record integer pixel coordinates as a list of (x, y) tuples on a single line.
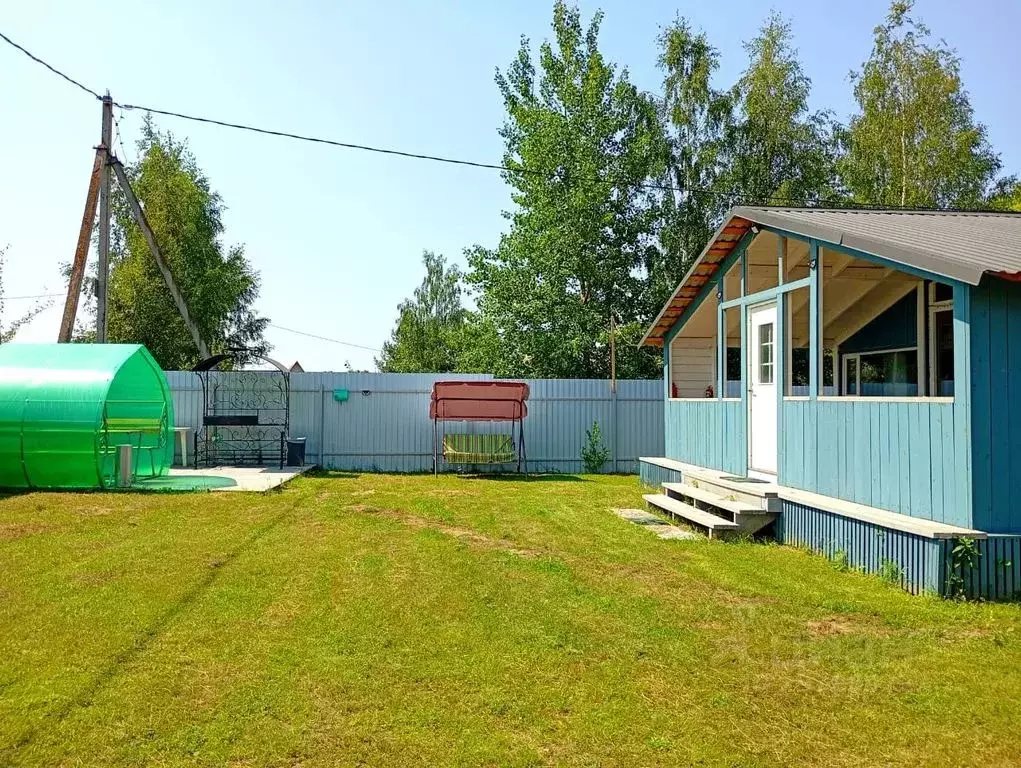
[(322, 423), (613, 418)]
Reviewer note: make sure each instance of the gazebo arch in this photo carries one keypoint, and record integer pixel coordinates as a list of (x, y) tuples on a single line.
[(245, 413)]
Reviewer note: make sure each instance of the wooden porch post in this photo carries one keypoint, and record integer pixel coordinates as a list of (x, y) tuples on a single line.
[(815, 321), (721, 343), (921, 338), (666, 365)]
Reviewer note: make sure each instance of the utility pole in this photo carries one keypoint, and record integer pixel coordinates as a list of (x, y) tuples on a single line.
[(613, 355), (105, 141)]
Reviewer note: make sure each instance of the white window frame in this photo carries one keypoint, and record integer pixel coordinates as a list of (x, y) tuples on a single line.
[(856, 356)]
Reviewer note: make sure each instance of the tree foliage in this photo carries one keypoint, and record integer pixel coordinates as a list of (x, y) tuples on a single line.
[(1006, 195), (9, 328), (218, 284), (615, 192), (425, 338), (581, 140), (915, 141), (777, 150), (695, 118)]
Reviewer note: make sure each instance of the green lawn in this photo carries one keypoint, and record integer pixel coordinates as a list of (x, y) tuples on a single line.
[(396, 620)]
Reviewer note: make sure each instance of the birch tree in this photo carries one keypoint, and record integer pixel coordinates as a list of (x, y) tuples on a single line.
[(915, 141)]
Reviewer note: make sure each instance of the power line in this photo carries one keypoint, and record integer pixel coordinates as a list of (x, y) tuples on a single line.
[(379, 150), (33, 296), (324, 338), (52, 69), (117, 126), (731, 196)]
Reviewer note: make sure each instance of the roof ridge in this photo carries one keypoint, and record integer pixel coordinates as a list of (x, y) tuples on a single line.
[(898, 211)]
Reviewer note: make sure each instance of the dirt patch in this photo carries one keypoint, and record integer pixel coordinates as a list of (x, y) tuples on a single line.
[(362, 508), (466, 535), (449, 492), (95, 579), (96, 511), (366, 492), (967, 633), (734, 598), (12, 531), (838, 626)]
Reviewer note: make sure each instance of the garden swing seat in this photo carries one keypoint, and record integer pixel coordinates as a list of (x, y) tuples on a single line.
[(490, 401), (479, 449)]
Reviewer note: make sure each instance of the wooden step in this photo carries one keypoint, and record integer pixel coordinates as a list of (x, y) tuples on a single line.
[(750, 492), (713, 499), (713, 523)]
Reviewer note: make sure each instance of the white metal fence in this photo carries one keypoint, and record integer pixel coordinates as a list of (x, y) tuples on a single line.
[(384, 424)]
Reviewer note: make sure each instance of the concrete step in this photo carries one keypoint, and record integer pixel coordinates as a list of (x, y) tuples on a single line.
[(726, 501), (714, 524)]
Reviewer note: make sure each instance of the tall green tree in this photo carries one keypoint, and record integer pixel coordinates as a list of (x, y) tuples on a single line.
[(581, 140), (426, 336), (915, 141), (219, 285), (778, 151), (695, 116), (1006, 195)]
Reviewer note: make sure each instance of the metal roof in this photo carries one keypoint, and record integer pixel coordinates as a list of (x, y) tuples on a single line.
[(958, 245)]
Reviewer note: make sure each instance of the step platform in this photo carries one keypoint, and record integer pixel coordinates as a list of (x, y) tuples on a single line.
[(714, 525)]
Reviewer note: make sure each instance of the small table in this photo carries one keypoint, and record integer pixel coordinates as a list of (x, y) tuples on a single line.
[(181, 435)]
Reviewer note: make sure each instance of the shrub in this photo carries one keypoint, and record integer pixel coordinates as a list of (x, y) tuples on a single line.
[(594, 454)]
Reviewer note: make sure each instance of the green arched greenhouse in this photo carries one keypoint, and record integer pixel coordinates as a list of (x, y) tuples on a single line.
[(65, 408)]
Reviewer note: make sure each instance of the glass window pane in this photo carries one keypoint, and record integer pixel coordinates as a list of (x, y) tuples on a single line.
[(766, 353), (944, 353), (942, 292), (889, 374), (852, 376)]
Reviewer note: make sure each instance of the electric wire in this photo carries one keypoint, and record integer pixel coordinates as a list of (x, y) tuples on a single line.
[(730, 196), (648, 185), (50, 67), (324, 338)]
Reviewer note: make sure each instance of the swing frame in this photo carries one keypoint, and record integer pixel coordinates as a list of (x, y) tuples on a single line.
[(479, 401)]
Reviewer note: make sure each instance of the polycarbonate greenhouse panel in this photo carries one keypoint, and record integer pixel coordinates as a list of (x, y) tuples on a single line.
[(65, 408)]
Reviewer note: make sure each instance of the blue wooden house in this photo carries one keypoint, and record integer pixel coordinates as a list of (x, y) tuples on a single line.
[(850, 380)]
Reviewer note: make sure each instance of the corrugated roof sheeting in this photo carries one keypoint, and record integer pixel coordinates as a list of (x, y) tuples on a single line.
[(958, 245), (384, 425)]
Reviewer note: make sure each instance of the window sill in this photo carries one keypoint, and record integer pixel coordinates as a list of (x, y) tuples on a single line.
[(866, 399), (703, 399)]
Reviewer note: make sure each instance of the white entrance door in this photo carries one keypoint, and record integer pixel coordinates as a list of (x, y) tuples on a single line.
[(762, 403)]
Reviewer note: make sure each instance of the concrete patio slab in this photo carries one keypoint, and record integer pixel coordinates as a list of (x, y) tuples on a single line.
[(655, 524), (255, 479)]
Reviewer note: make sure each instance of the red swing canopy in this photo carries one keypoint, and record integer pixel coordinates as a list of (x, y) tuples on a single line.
[(478, 401)]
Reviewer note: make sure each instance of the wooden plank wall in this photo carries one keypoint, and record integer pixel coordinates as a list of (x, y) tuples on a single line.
[(996, 405), (692, 366), (919, 561), (709, 433), (895, 455)]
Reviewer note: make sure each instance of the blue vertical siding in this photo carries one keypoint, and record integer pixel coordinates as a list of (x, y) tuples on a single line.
[(653, 475), (998, 573), (895, 328), (867, 547), (709, 433), (995, 389), (923, 564), (898, 456)]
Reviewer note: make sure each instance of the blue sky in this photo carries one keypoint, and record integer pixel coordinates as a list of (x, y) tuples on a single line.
[(337, 235)]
